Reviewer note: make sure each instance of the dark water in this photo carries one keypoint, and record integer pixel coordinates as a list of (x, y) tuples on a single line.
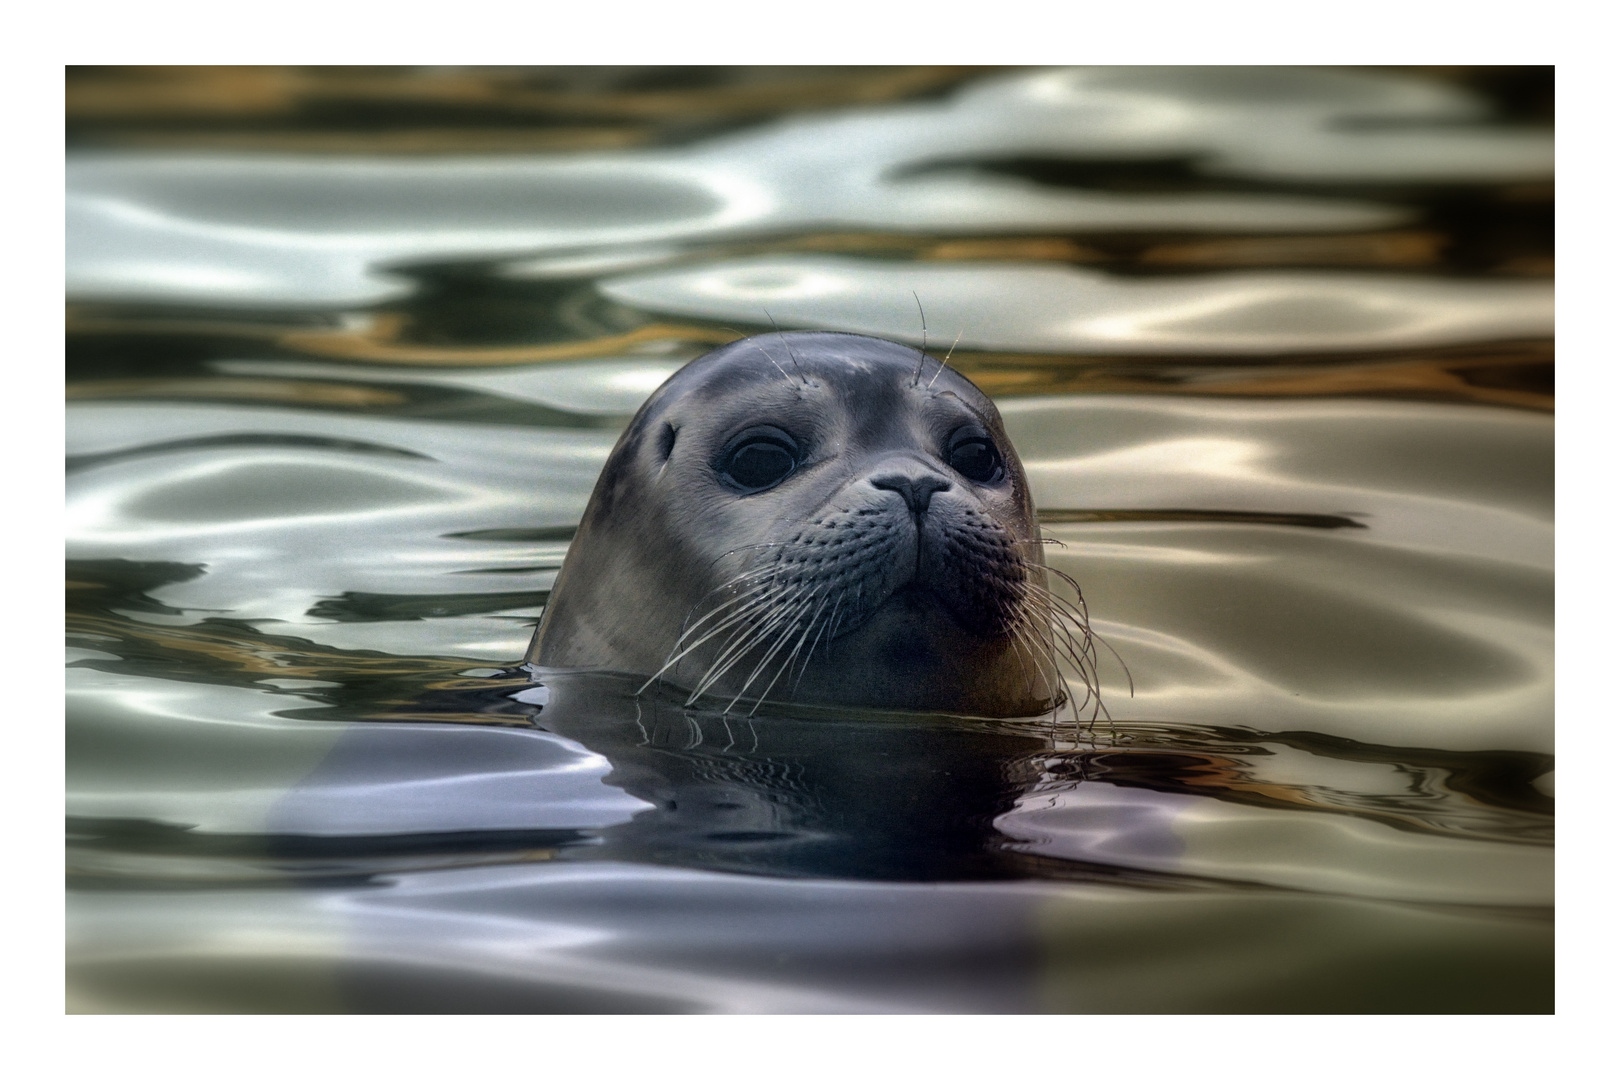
[(1275, 347)]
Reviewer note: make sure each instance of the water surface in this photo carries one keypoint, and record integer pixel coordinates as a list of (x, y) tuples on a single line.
[(1275, 347)]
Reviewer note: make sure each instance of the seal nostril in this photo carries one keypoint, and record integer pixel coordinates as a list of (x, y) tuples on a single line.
[(916, 489)]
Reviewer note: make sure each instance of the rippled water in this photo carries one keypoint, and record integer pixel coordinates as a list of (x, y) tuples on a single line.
[(1275, 348)]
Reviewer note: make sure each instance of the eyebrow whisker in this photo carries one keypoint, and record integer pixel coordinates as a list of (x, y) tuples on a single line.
[(789, 348), (947, 359), (923, 355)]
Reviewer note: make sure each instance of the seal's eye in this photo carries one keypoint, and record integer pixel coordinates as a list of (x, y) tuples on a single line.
[(977, 459), (759, 460)]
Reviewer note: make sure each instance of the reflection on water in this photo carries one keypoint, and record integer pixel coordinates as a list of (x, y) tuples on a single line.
[(1275, 347)]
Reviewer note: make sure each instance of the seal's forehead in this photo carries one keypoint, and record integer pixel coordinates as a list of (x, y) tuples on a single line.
[(851, 362)]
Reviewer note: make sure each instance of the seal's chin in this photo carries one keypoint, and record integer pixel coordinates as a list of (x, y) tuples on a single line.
[(921, 603), (914, 608), (911, 652), (909, 649)]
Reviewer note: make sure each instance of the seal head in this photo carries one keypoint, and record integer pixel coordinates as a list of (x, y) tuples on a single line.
[(818, 517)]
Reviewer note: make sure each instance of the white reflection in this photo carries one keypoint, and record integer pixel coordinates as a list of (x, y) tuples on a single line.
[(1321, 632), (1331, 853), (1165, 553), (714, 941), (116, 248), (230, 764), (613, 938), (556, 938), (1099, 822), (1229, 458), (607, 387), (213, 757), (322, 543), (231, 491), (1292, 123), (397, 779), (1352, 857), (1461, 480), (1070, 309), (301, 230), (1166, 672)]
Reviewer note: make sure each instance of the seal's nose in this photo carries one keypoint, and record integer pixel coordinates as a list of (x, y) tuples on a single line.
[(915, 483)]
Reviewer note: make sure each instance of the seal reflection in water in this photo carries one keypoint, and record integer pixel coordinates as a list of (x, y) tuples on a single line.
[(823, 518)]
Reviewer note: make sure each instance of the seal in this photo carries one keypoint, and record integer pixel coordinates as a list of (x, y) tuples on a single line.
[(824, 518)]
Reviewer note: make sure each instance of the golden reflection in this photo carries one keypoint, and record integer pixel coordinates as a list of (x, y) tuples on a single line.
[(287, 391), (342, 109), (377, 344), (1394, 248), (416, 141), (377, 339), (1517, 375), (1130, 251), (1417, 248)]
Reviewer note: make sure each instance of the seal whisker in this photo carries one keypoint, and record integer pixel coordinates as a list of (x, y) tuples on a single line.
[(789, 348), (1079, 651), (1081, 615), (1041, 649), (758, 637), (787, 664), (1082, 654), (1075, 610), (761, 350), (1020, 643), (1093, 639), (789, 618), (1040, 633), (945, 361), (778, 628), (923, 354), (741, 602), (777, 366), (811, 623), (747, 547), (832, 620), (743, 638), (746, 637), (714, 674), (754, 588), (746, 577), (751, 578), (757, 596), (729, 624)]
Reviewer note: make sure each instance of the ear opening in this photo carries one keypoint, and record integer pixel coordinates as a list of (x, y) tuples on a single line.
[(666, 442)]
